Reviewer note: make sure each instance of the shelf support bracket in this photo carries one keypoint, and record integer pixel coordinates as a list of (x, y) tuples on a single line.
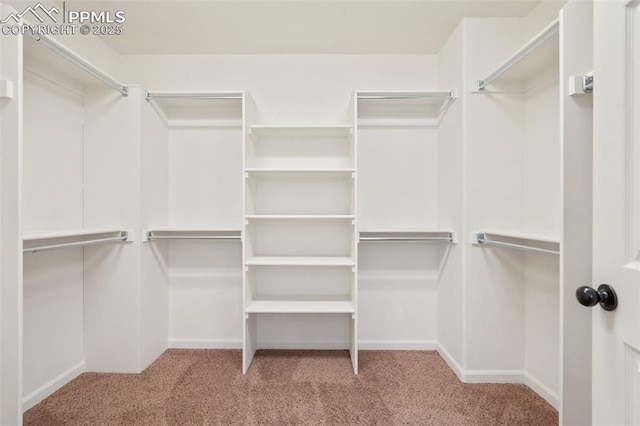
[(6, 89)]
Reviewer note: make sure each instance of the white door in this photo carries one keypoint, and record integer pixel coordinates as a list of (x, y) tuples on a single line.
[(616, 211)]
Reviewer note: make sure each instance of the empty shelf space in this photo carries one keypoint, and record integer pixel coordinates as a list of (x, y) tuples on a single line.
[(315, 132), (405, 235), (302, 305), (300, 261), (535, 60), (192, 234), (518, 241)]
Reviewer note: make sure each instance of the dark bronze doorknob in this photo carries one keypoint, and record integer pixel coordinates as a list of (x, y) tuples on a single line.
[(605, 296)]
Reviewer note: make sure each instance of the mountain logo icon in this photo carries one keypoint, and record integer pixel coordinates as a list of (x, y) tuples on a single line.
[(38, 11)]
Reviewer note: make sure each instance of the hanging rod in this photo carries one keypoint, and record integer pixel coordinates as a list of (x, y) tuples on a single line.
[(124, 236), (80, 63), (150, 236), (192, 95), (445, 94), (372, 235), (482, 239), (447, 239), (524, 51)]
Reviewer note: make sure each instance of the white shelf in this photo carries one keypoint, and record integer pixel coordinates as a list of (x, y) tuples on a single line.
[(533, 238), (407, 235), (32, 236), (300, 217), (402, 108), (191, 234), (299, 261), (53, 240), (535, 60), (299, 173), (517, 241), (302, 305), (316, 132), (199, 109)]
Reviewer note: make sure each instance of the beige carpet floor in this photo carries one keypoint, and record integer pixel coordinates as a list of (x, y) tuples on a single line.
[(207, 387)]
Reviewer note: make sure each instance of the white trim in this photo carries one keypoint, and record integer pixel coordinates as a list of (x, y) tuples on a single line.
[(451, 362), (301, 344), (494, 376), (195, 343), (397, 345), (38, 395), (542, 390), (481, 376)]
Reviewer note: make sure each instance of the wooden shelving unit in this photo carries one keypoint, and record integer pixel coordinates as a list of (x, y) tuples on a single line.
[(299, 222)]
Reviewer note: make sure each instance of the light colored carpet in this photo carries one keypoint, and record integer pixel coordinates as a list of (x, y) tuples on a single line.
[(207, 387)]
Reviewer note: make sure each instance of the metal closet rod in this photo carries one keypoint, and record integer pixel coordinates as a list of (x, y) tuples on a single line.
[(482, 239), (81, 63), (448, 239), (124, 236), (195, 95), (401, 96), (151, 237), (537, 41)]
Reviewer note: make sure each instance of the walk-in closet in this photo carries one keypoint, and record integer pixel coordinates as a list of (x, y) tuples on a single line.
[(429, 198)]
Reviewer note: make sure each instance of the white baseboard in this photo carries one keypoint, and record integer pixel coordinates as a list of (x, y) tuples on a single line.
[(543, 390), (451, 361), (397, 345), (38, 395), (480, 376), (389, 345), (301, 344), (500, 376), (186, 343)]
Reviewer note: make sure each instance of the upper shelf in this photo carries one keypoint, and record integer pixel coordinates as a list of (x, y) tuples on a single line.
[(198, 109), (268, 131), (388, 108), (537, 59)]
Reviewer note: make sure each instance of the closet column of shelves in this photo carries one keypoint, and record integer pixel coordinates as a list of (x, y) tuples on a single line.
[(299, 229)]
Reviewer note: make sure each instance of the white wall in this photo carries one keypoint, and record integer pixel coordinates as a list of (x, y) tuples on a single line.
[(303, 89), (53, 163), (52, 199), (493, 164)]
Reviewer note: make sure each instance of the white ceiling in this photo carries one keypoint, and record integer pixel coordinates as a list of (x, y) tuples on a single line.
[(293, 26)]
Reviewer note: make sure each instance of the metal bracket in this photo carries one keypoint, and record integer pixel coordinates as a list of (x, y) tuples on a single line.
[(587, 83), (581, 84)]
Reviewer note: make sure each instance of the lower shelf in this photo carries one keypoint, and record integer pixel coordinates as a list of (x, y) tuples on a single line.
[(299, 261), (301, 306)]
